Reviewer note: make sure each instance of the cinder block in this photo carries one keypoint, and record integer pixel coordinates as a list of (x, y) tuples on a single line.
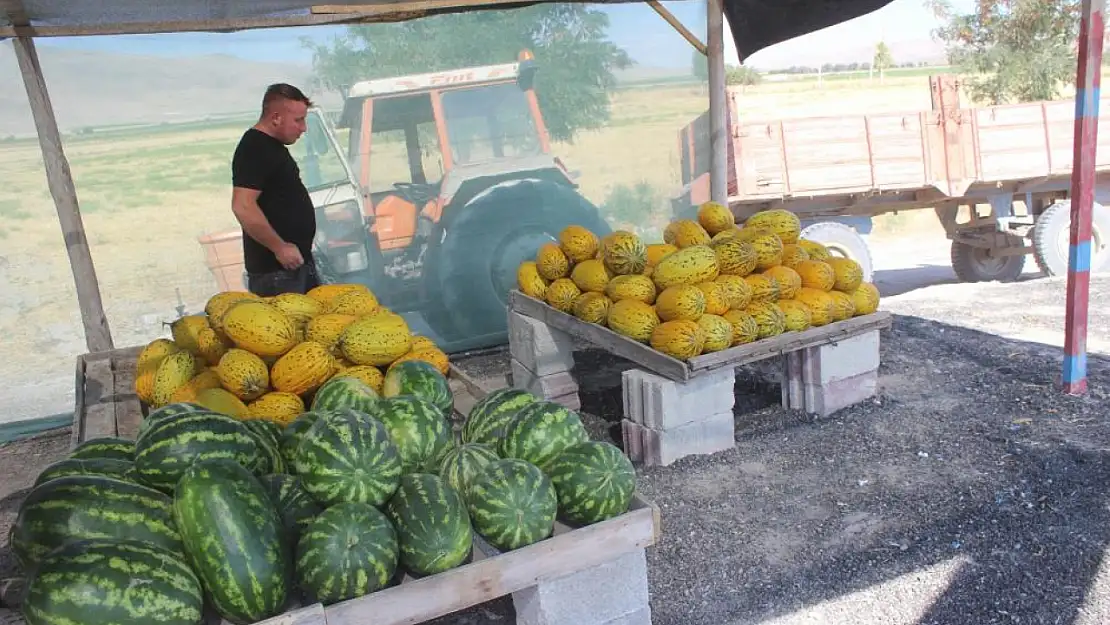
[(542, 349), (632, 435), (664, 447), (825, 399), (841, 360), (664, 404), (601, 595), (570, 400), (546, 386), (793, 387)]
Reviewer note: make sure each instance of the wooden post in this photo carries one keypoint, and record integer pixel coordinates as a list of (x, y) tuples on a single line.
[(98, 337), (718, 104), (1087, 86)]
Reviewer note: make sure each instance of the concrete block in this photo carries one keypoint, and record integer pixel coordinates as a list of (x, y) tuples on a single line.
[(664, 447), (546, 386), (632, 436), (601, 595), (841, 360), (570, 400), (542, 349), (664, 404), (825, 399), (793, 386)]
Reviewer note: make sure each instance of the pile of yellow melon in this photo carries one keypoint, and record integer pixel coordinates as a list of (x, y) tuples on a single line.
[(263, 357), (710, 284)]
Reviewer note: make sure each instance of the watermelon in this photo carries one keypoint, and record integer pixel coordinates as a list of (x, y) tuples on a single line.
[(433, 527), (123, 582), (490, 416), (105, 447), (594, 481), (264, 434), (347, 551), (296, 507), (235, 540), (111, 467), (292, 434), (169, 410), (540, 431), (348, 456), (420, 379), (418, 428), (166, 450), (91, 506), (512, 504), (345, 392), (459, 465), (271, 429)]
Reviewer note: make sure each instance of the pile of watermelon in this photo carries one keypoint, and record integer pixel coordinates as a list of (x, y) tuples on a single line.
[(208, 512)]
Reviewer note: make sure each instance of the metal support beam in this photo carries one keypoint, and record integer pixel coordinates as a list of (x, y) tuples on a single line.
[(718, 104), (98, 337), (1087, 86)]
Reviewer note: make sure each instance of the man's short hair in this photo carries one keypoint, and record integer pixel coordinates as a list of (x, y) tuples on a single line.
[(283, 91)]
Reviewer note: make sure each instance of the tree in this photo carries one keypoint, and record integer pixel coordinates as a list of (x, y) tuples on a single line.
[(569, 41), (1012, 50), (882, 60)]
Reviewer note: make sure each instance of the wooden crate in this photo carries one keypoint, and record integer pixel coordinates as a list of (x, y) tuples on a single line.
[(105, 403)]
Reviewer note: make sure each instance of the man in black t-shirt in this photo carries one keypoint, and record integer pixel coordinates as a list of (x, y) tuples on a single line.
[(270, 201)]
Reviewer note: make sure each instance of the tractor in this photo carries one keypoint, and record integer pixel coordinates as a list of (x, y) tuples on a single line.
[(431, 189)]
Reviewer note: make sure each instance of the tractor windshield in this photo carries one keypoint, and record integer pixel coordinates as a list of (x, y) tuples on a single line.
[(321, 165), (489, 122)]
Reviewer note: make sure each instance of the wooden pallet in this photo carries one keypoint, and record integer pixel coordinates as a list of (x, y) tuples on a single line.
[(106, 403)]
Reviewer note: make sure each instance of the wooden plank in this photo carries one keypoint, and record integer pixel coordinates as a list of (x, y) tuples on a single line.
[(128, 408), (602, 337), (310, 615), (100, 420), (76, 432), (502, 574), (790, 342)]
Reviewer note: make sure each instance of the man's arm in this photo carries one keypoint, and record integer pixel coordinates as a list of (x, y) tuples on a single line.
[(244, 203)]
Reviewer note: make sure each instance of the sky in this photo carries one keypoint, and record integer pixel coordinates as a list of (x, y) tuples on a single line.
[(636, 27)]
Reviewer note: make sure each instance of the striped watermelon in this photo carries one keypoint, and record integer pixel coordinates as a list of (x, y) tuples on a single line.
[(266, 435), (421, 379), (169, 410), (91, 506), (111, 467), (433, 528), (512, 504), (540, 431), (490, 416), (594, 481), (347, 551), (417, 427), (348, 456), (345, 392), (296, 507), (233, 534), (105, 447), (164, 453), (292, 434), (459, 465), (123, 582)]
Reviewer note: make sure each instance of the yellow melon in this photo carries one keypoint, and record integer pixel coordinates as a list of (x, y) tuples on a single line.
[(738, 293), (243, 373), (302, 369), (298, 307), (578, 243), (223, 401), (716, 297), (792, 254), (768, 250), (657, 251), (848, 273), (815, 250), (207, 378), (561, 294), (865, 299), (788, 280), (356, 302), (843, 307), (173, 372), (218, 304), (724, 235), (423, 342), (782, 222), (326, 328), (637, 287), (718, 333), (633, 319), (434, 356), (623, 252), (749, 233), (186, 329), (530, 281), (682, 301), (375, 340), (744, 328), (592, 307), (591, 275), (368, 374), (277, 407), (551, 262), (146, 365), (689, 265), (259, 328), (816, 274), (210, 346), (686, 232), (736, 258), (796, 314), (679, 338), (715, 218), (764, 288), (769, 317), (821, 306)]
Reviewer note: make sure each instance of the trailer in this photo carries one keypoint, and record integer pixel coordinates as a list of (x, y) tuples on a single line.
[(998, 178)]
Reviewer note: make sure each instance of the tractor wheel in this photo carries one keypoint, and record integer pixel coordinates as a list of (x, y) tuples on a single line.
[(842, 240), (1052, 238), (485, 240)]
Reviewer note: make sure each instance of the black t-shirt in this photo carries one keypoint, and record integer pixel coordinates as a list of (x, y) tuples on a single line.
[(263, 163)]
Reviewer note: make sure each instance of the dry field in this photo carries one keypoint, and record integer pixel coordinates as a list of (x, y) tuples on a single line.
[(146, 198)]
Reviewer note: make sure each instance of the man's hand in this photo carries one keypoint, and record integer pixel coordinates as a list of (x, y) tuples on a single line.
[(289, 256)]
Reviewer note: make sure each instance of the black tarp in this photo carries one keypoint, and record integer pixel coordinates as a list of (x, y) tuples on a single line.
[(758, 24)]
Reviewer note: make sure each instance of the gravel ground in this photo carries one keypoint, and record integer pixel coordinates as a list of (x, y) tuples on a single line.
[(969, 491)]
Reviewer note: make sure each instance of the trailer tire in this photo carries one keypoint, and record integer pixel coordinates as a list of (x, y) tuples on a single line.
[(842, 240), (972, 264), (1052, 238)]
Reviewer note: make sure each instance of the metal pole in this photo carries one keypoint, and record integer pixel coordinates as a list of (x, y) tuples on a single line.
[(718, 106), (1087, 85)]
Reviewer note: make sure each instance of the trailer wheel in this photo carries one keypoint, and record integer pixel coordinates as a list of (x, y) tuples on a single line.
[(842, 241), (976, 264), (1052, 238)]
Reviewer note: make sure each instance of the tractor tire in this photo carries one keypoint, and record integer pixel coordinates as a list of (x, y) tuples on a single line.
[(1052, 239), (844, 241), (974, 264), (483, 242)]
